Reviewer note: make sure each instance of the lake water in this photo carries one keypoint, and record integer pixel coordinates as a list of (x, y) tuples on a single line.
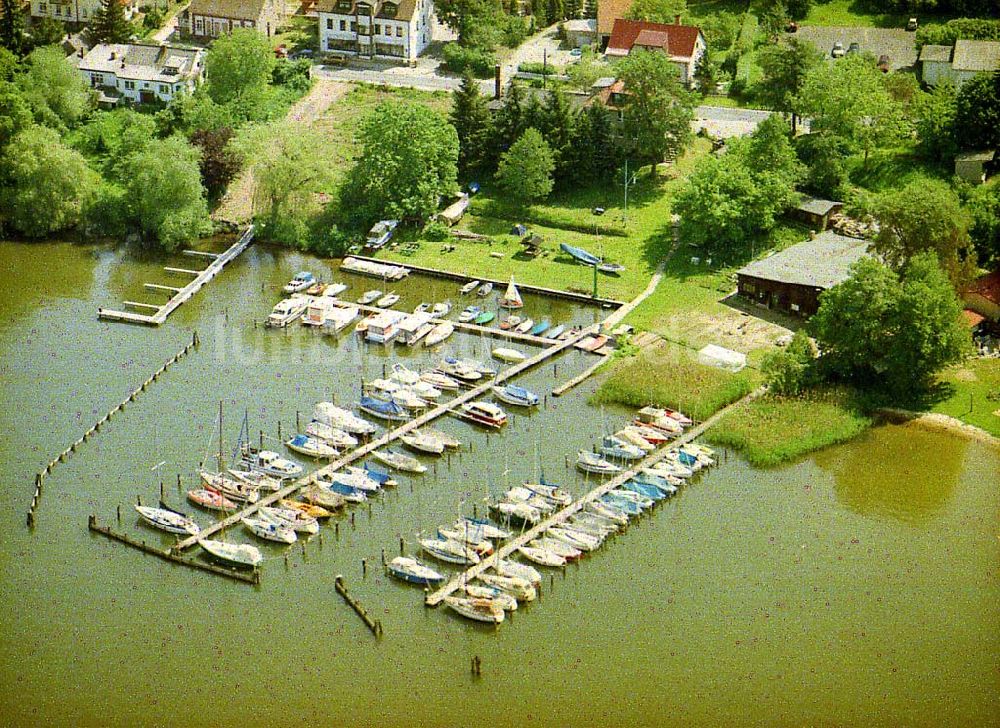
[(858, 586)]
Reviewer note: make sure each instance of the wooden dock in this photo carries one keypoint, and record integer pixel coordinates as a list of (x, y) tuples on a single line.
[(459, 580), (180, 295), (584, 375), (387, 438)]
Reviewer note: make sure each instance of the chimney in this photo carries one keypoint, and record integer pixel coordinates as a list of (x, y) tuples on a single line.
[(496, 81), (677, 19), (114, 55)]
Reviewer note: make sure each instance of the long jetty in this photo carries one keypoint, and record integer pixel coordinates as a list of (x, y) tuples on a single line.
[(180, 295), (387, 437), (459, 580)]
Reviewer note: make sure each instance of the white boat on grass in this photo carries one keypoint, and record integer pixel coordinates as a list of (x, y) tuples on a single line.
[(542, 557), (502, 599), (328, 413), (269, 530), (590, 462), (312, 447), (480, 610), (234, 554), (399, 461), (292, 518), (507, 354), (331, 435), (413, 571), (287, 311), (517, 586), (422, 443), (469, 287), (167, 520), (438, 334), (450, 552)]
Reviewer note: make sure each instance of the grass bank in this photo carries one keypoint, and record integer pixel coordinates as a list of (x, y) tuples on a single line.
[(972, 394), (773, 430), (670, 376)]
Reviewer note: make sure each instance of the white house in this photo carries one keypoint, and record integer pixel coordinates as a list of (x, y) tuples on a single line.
[(141, 73), (390, 29), (76, 11), (959, 64)]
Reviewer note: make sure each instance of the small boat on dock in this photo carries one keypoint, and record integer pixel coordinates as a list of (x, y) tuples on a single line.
[(511, 297), (469, 287), (468, 314), (359, 478), (541, 327), (312, 447), (413, 571), (440, 310), (257, 480), (331, 435), (542, 557), (613, 447), (383, 410), (552, 493), (580, 255), (517, 514), (483, 413), (168, 520), (287, 311), (212, 500), (576, 539), (388, 300), (651, 434), (502, 599), (484, 290), (439, 380), (470, 538), (560, 548), (480, 610), (403, 375), (301, 281), (241, 555), (233, 488), (308, 508), (504, 567), (451, 552), (328, 413), (518, 587), (632, 437), (399, 461), (507, 354), (348, 492), (651, 415), (449, 441), (269, 530), (323, 497), (509, 323), (602, 510), (334, 289), (458, 370), (383, 478), (484, 318), (590, 462), (515, 395), (369, 297), (487, 529), (438, 334)]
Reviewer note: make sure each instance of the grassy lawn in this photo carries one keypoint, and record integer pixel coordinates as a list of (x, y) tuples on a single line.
[(670, 376), (772, 430), (971, 385), (300, 33)]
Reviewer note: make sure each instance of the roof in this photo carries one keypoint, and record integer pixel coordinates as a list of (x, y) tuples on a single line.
[(404, 9), (608, 11), (822, 262), (976, 55), (935, 53), (238, 9), (678, 41), (581, 25), (987, 286), (972, 319), (984, 156), (816, 206), (141, 62)]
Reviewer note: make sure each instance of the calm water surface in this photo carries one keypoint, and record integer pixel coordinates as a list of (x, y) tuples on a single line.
[(856, 587)]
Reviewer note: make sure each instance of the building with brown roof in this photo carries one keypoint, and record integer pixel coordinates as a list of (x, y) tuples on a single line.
[(398, 30), (983, 296), (608, 11), (212, 18), (76, 11), (683, 44)]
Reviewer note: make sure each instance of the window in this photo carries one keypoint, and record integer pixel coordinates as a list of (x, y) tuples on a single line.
[(399, 31), (83, 12), (43, 8), (329, 23), (354, 27), (130, 85), (343, 25), (378, 29), (164, 88), (97, 79), (199, 26)]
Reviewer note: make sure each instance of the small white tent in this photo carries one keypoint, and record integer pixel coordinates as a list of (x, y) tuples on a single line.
[(718, 356)]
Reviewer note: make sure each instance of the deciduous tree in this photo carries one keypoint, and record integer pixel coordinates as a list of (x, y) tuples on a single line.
[(238, 67), (984, 207), (525, 171), (788, 370), (219, 162), (15, 114), (785, 67), (657, 11), (935, 122), (55, 90), (977, 112)]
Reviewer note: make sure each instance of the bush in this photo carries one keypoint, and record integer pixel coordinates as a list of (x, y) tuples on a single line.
[(292, 74), (436, 231), (105, 214), (540, 68), (153, 18), (458, 58), (966, 28)]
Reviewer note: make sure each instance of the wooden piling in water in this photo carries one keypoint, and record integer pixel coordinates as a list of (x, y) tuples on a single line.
[(374, 625)]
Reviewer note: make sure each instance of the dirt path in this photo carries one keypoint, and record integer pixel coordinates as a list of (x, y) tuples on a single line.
[(236, 206)]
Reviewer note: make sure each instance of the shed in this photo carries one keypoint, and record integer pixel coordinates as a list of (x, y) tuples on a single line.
[(580, 32), (816, 212), (792, 280), (454, 212), (971, 166), (723, 358)]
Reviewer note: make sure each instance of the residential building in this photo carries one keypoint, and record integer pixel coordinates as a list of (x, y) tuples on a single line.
[(983, 297), (960, 63), (792, 279), (212, 18), (76, 11), (141, 73), (683, 44), (608, 11), (580, 32), (397, 30)]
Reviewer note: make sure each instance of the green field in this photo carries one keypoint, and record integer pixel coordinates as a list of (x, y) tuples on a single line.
[(973, 394)]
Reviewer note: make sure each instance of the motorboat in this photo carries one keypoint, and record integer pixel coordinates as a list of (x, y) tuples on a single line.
[(369, 297), (382, 477), (638, 498), (484, 413), (488, 529), (213, 500), (502, 599), (561, 548), (652, 414), (482, 546), (382, 409), (287, 311), (334, 289), (233, 488), (469, 287), (317, 311), (470, 313), (632, 437), (513, 394), (510, 322), (480, 610), (651, 434), (316, 289), (484, 368), (325, 498), (517, 513), (604, 511), (555, 333), (505, 567), (413, 571), (438, 334), (269, 530), (451, 552), (423, 307), (525, 326), (268, 462), (449, 441), (362, 328), (291, 517), (380, 233), (440, 310), (234, 554), (520, 494), (590, 462), (331, 435), (327, 413), (167, 520), (511, 297), (541, 327), (309, 509), (484, 290), (622, 505), (399, 461), (312, 447), (439, 380), (348, 492), (339, 318), (388, 300), (301, 281), (403, 375), (387, 390), (518, 587), (422, 443), (613, 447), (507, 354), (458, 370), (542, 557), (484, 318), (424, 390), (647, 490), (576, 539)]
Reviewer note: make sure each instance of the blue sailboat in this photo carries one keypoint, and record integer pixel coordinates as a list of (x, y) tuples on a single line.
[(580, 255)]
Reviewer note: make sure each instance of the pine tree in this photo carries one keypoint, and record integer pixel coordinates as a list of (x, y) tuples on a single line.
[(110, 25), (12, 27), (509, 124), (557, 11), (558, 123), (471, 119)]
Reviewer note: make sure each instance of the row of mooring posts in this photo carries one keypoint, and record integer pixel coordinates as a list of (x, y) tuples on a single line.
[(96, 427), (375, 625)]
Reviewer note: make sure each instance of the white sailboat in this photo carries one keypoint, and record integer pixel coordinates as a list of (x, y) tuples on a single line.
[(511, 297)]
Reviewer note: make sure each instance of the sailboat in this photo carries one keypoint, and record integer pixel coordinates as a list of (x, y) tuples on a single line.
[(219, 481), (511, 297)]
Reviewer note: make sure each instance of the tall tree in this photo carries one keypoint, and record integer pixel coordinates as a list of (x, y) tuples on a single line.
[(785, 67), (109, 23), (55, 90), (525, 171), (595, 153), (935, 122), (657, 11), (977, 112), (12, 26), (558, 125), (658, 110), (509, 123), (925, 216), (15, 113), (219, 161), (238, 67), (471, 119), (984, 207)]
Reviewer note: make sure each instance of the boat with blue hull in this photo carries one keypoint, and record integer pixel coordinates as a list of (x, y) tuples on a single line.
[(383, 410), (413, 571), (580, 255)]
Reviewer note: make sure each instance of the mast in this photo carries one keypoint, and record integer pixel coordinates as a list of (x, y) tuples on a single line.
[(220, 436)]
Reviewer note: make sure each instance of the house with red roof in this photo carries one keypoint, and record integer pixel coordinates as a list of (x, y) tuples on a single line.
[(983, 296), (683, 44)]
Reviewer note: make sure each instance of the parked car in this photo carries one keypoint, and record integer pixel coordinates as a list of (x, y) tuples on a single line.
[(576, 52), (853, 49), (302, 53), (838, 50), (883, 63), (911, 24), (281, 52)]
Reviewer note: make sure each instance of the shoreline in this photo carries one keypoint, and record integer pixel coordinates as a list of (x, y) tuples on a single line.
[(939, 422)]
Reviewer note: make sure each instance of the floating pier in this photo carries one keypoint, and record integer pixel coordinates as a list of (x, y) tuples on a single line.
[(386, 438), (181, 295), (459, 580)]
